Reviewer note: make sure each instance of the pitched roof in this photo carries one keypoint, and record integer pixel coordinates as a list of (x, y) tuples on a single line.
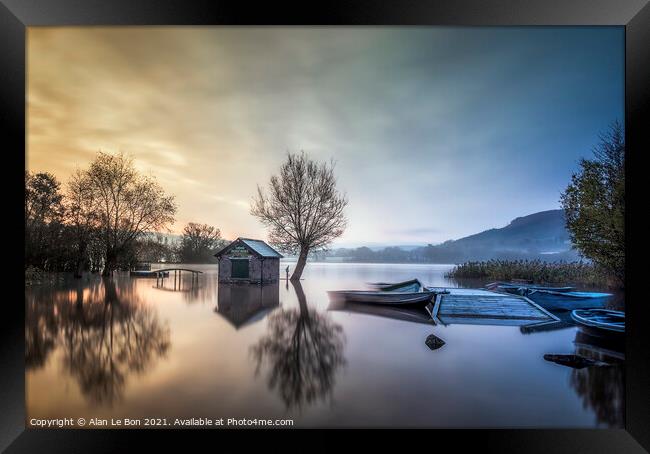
[(261, 248), (258, 247)]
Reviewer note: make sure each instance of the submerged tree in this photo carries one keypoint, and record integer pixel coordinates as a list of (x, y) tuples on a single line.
[(594, 203), (303, 208), (81, 218), (43, 219), (128, 204)]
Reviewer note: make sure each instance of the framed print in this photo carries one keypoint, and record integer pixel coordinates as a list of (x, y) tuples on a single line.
[(371, 217)]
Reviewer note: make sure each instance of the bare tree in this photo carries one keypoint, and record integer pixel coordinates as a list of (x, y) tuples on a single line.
[(128, 204), (303, 208), (81, 217), (44, 213), (154, 247)]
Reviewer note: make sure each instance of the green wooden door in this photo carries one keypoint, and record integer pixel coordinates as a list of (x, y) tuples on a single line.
[(239, 268)]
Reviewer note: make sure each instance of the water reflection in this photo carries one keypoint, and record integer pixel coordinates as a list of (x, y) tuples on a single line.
[(104, 332), (597, 376), (193, 287), (40, 332), (305, 367), (303, 350), (407, 314), (243, 304), (601, 388)]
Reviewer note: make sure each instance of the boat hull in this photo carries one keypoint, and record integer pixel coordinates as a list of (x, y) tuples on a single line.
[(561, 300), (410, 286), (520, 289), (568, 301), (600, 322)]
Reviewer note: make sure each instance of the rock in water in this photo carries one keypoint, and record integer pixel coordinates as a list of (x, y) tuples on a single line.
[(434, 342)]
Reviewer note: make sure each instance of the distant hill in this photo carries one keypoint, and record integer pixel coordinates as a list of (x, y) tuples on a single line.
[(540, 235)]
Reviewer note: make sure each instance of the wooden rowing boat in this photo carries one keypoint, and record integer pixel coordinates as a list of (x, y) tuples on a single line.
[(601, 322), (567, 301), (554, 298), (521, 289), (412, 285)]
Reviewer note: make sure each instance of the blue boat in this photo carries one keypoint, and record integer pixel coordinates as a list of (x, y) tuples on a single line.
[(568, 301), (521, 289), (600, 322), (554, 298)]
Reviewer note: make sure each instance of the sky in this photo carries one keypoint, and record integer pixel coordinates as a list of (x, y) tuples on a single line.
[(436, 132)]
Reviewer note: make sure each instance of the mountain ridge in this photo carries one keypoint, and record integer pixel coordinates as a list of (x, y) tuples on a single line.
[(541, 235)]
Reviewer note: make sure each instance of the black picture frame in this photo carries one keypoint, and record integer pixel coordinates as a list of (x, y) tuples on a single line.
[(634, 15)]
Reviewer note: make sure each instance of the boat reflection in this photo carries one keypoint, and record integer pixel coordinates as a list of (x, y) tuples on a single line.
[(242, 305), (103, 331), (407, 314), (303, 350)]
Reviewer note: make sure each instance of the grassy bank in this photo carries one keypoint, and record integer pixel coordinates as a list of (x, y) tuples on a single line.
[(534, 270)]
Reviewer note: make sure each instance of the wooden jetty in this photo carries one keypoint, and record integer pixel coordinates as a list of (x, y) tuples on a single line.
[(162, 273), (482, 307), (148, 273)]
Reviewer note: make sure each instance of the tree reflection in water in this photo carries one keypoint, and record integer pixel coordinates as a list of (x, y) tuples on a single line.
[(105, 335), (602, 389), (304, 350), (41, 330)]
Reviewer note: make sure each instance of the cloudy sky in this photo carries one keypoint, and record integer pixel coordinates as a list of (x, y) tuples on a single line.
[(437, 133)]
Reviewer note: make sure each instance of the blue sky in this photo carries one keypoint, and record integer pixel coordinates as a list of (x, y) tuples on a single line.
[(437, 132)]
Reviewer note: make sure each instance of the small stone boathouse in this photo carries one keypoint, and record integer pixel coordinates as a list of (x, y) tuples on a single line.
[(248, 261)]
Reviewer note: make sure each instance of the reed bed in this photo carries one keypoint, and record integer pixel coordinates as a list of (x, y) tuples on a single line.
[(533, 270)]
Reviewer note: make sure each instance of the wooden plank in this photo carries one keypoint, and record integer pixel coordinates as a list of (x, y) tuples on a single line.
[(479, 306), (487, 321), (446, 310), (496, 313), (490, 303), (483, 307), (436, 308), (541, 308)]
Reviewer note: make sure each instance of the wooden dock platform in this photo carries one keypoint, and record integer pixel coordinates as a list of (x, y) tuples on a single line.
[(482, 307)]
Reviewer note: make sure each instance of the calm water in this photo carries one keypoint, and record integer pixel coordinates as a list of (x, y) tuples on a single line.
[(123, 348)]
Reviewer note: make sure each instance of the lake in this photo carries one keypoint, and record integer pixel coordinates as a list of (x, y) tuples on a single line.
[(127, 348)]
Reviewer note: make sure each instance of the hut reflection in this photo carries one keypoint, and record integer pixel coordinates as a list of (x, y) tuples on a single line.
[(104, 332), (303, 350), (244, 304)]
